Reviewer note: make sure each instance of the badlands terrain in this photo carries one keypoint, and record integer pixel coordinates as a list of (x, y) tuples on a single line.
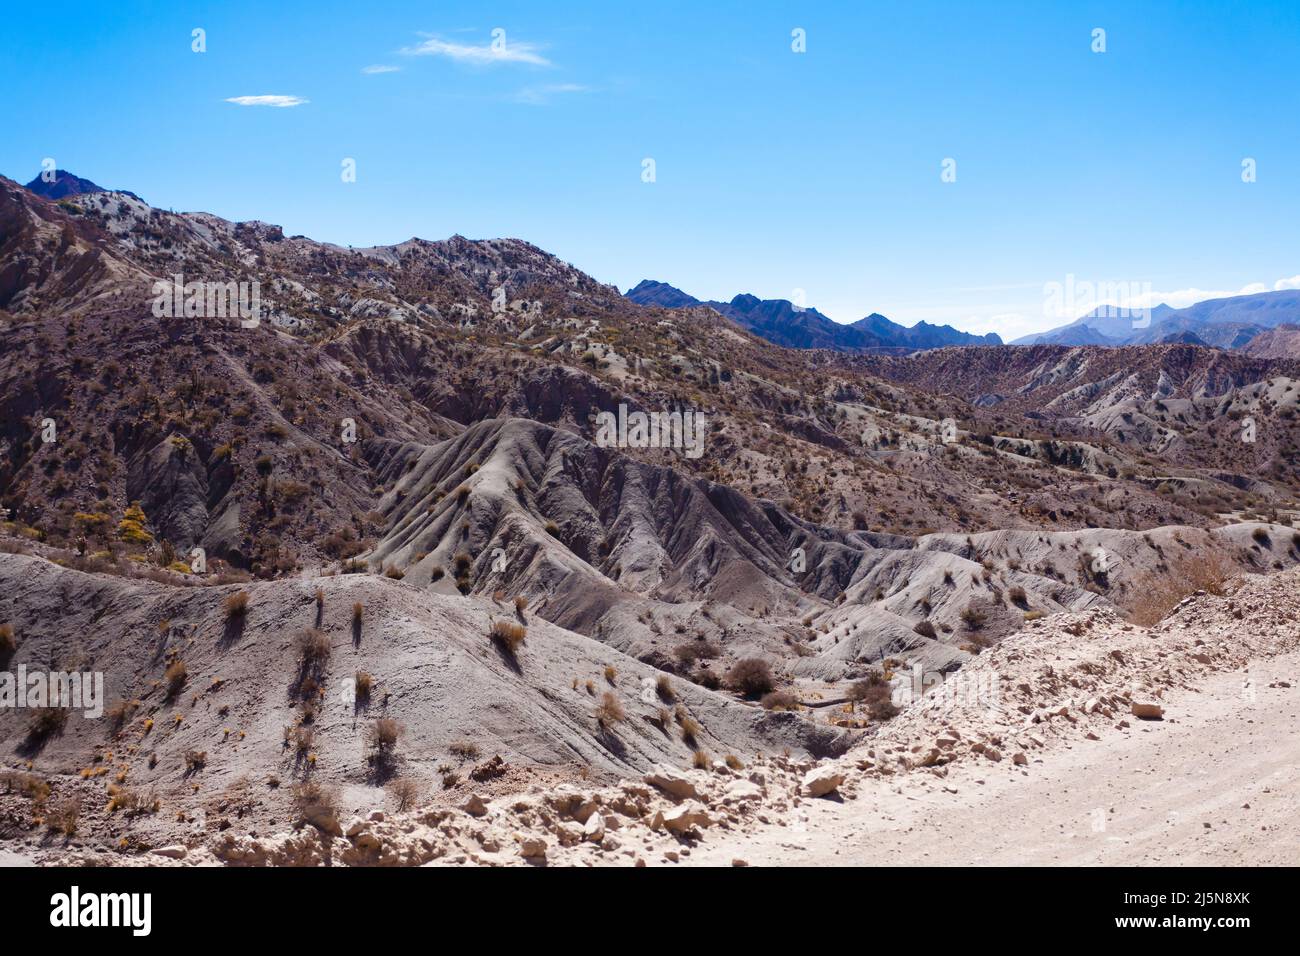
[(365, 588)]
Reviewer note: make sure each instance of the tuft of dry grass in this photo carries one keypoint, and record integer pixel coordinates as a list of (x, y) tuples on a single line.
[(700, 760), (313, 647), (521, 604), (175, 676), (364, 684), (1159, 592), (609, 711), (120, 713), (509, 635), (664, 688), (464, 750), (8, 643), (611, 673), (358, 612), (236, 605)]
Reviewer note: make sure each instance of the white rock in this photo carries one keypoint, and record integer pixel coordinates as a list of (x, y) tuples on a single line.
[(822, 780)]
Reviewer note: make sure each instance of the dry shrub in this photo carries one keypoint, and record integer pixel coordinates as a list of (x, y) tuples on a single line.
[(313, 647), (611, 673), (751, 677), (509, 635), (132, 801), (317, 806), (62, 817), (381, 736), (196, 760), (464, 750), (690, 727), (358, 612), (237, 605), (664, 688), (46, 722), (925, 629), (874, 693), (27, 784), (780, 700), (1159, 592), (8, 643), (365, 683), (609, 711), (700, 760), (405, 792), (120, 714), (174, 677), (521, 604)]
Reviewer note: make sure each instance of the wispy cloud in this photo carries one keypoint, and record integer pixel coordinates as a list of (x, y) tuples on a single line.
[(269, 100), (540, 95), (496, 51), (380, 68)]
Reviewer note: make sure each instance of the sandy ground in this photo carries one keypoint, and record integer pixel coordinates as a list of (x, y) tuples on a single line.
[(1227, 794)]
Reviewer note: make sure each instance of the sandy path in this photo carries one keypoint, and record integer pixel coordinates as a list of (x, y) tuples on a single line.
[(1096, 802)]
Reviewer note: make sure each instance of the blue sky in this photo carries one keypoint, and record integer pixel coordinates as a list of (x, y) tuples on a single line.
[(775, 171)]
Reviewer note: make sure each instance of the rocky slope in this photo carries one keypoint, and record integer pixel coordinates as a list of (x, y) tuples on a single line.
[(1085, 681)]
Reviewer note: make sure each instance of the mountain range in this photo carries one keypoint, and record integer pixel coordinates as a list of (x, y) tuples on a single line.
[(375, 538), (782, 322), (1228, 323)]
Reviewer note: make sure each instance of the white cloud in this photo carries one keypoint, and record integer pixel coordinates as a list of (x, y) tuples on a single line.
[(506, 51), (270, 100), (379, 68), (1291, 283), (538, 95)]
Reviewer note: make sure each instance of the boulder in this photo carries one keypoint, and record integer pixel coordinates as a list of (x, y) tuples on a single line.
[(820, 781), (672, 782), (532, 848), (1147, 710)]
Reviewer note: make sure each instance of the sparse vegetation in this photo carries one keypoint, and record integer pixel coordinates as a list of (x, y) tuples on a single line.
[(609, 711), (508, 635), (751, 677), (1159, 592), (317, 806), (237, 606), (405, 793)]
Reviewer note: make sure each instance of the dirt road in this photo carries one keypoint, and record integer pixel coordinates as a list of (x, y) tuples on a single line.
[(1227, 793)]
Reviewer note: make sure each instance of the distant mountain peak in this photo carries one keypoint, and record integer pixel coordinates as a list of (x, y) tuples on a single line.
[(652, 292), (782, 322), (63, 184)]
